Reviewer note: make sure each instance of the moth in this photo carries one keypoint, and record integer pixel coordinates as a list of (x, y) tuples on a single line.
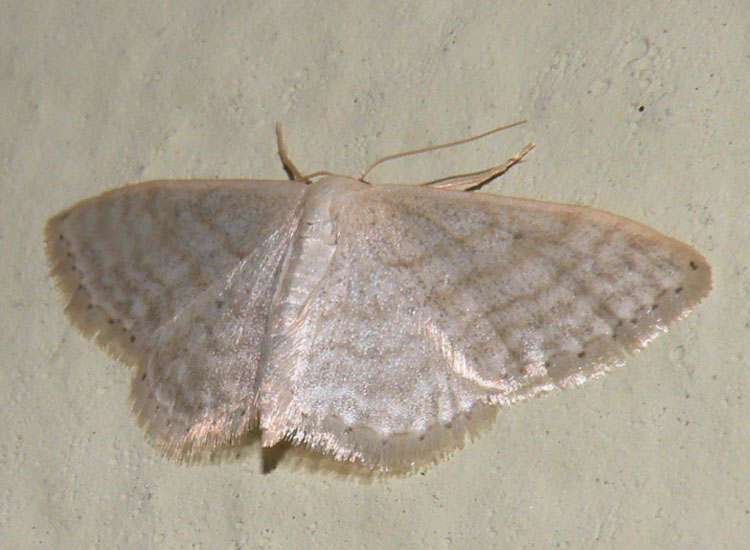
[(377, 324)]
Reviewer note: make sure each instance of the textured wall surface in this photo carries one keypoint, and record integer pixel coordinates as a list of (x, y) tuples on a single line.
[(637, 110)]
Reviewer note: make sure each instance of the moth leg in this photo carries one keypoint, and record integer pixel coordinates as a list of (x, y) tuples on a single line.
[(289, 167), (477, 180), (363, 173)]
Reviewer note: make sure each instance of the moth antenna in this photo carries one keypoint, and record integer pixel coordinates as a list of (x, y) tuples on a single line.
[(317, 174), (435, 147)]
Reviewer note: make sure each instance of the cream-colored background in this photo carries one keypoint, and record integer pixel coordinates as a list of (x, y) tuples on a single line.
[(97, 94)]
